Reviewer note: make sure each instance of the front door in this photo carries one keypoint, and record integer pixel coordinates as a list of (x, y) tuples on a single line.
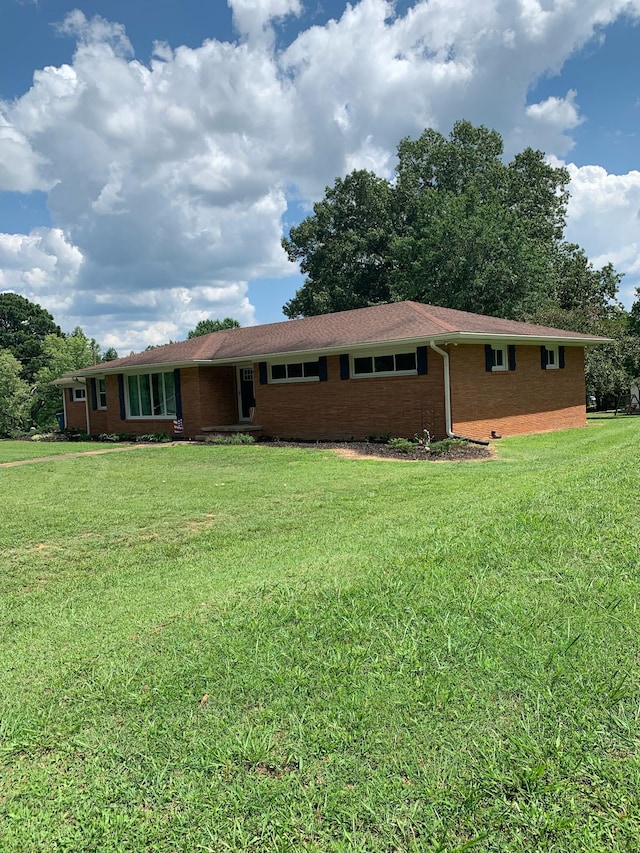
[(246, 400)]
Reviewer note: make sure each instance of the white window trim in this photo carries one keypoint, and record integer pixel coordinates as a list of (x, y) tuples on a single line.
[(152, 417), (288, 380), (500, 368), (79, 395), (556, 358), (382, 373), (99, 393)]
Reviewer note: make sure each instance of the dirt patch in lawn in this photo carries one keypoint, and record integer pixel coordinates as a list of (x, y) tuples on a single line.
[(465, 452)]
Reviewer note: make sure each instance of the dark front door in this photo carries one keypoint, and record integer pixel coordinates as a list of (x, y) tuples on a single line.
[(247, 400)]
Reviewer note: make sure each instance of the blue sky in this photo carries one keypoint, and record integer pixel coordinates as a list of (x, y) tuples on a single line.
[(151, 166)]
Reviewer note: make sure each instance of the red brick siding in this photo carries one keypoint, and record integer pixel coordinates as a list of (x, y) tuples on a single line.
[(352, 408), (76, 413), (208, 399), (218, 396), (526, 400)]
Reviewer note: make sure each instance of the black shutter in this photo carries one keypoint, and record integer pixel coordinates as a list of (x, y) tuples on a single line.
[(176, 385), (322, 368), (344, 366), (123, 411), (561, 357), (543, 358), (262, 372), (94, 394), (512, 357), (71, 395), (421, 360), (488, 358)]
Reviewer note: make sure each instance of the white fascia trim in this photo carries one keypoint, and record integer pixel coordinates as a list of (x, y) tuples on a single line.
[(480, 337)]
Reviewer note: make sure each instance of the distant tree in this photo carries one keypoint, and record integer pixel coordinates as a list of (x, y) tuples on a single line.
[(109, 355), (23, 327), (205, 327), (14, 396), (634, 316), (62, 355)]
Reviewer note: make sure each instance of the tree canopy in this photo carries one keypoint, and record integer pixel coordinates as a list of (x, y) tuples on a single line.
[(205, 327), (458, 227), (14, 396), (23, 327), (461, 228)]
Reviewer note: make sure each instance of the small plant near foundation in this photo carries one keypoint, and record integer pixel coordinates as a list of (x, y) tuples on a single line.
[(404, 445), (446, 445), (159, 437), (233, 438)]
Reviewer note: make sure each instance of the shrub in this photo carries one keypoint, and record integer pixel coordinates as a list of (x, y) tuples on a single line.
[(446, 445), (233, 438), (75, 434), (158, 437), (402, 444)]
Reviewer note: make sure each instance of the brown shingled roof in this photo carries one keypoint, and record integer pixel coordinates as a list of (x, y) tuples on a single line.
[(397, 321)]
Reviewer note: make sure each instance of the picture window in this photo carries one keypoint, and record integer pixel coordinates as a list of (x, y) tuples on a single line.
[(295, 371), (151, 395), (372, 365)]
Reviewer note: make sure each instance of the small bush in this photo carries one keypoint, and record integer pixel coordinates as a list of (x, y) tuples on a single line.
[(446, 445), (233, 438), (402, 444), (158, 437), (75, 434)]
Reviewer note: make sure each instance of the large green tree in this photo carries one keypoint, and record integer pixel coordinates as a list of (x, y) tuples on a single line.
[(344, 248), (15, 397), (457, 227), (24, 325)]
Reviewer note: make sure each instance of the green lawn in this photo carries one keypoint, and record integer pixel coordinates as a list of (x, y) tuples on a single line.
[(255, 648), (14, 451)]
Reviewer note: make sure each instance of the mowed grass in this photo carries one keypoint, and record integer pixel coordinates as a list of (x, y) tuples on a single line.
[(15, 451), (254, 648)]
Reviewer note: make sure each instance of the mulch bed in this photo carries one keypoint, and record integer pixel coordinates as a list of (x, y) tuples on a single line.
[(357, 449)]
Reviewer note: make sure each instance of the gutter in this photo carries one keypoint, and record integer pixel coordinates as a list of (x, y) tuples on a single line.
[(447, 399)]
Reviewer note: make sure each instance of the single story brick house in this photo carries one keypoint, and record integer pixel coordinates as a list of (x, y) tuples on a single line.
[(392, 369)]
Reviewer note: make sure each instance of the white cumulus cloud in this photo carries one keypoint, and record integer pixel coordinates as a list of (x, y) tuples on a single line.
[(169, 181)]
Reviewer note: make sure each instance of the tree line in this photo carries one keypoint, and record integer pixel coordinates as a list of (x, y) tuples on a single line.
[(460, 228)]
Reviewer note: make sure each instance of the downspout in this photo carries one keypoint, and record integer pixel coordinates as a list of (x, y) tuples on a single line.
[(447, 399)]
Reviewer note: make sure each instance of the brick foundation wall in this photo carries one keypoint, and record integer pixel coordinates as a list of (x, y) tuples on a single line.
[(518, 402), (352, 408)]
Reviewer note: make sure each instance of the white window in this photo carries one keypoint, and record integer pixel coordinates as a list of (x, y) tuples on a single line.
[(79, 394), (552, 358), (295, 371), (102, 393), (151, 395), (385, 364), (499, 358)]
